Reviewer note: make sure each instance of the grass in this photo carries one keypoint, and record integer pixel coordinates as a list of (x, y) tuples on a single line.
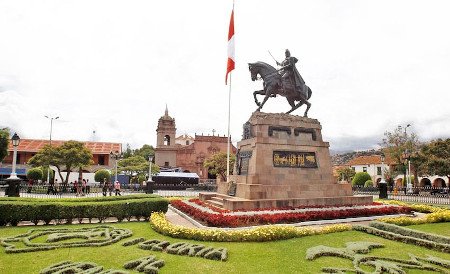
[(438, 228), (286, 256)]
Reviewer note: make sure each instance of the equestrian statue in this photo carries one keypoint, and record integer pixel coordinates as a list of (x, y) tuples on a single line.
[(285, 81)]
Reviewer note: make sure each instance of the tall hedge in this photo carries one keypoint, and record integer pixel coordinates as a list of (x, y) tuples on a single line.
[(46, 210), (360, 178)]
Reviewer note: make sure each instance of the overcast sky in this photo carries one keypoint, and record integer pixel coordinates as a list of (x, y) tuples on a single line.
[(112, 66)]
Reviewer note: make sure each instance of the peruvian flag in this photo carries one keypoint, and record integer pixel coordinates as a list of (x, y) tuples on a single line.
[(230, 63)]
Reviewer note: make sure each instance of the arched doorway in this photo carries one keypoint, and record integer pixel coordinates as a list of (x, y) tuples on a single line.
[(425, 182), (439, 182)]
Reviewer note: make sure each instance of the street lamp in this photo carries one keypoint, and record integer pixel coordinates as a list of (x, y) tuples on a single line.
[(150, 181), (13, 180), (116, 156), (150, 159), (15, 142), (406, 156), (382, 185), (382, 167), (51, 128)]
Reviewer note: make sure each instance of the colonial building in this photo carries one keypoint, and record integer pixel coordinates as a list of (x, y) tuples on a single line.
[(373, 165), (29, 147), (184, 151)]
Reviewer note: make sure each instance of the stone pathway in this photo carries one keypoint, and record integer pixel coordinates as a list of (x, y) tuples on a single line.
[(177, 219)]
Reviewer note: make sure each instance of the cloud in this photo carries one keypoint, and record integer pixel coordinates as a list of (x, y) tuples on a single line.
[(8, 83)]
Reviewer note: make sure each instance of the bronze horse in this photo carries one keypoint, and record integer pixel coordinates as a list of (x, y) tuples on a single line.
[(273, 86)]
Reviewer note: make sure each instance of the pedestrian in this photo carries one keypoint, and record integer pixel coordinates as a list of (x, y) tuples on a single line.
[(111, 188), (78, 187), (117, 188), (83, 187), (30, 186), (50, 188), (104, 187), (56, 187), (88, 187)]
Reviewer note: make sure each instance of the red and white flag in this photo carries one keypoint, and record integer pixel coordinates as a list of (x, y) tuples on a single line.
[(230, 63)]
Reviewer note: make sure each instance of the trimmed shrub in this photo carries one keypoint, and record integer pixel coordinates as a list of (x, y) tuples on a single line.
[(360, 178), (368, 183), (102, 174), (55, 238), (410, 232), (133, 241), (16, 210), (78, 267), (34, 173), (402, 238), (149, 264)]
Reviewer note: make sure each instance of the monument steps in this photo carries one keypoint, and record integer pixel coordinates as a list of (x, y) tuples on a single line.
[(215, 203), (218, 200)]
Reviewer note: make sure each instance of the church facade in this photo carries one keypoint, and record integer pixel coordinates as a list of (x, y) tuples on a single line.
[(184, 151)]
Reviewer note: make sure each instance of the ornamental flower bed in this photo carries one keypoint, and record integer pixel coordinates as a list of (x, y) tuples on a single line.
[(213, 218)]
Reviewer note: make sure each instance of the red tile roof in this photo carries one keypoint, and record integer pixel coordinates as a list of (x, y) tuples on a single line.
[(369, 160), (32, 145)]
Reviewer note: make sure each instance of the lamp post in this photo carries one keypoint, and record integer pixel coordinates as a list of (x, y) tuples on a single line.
[(13, 180), (15, 142), (382, 185), (150, 181), (51, 128), (382, 168), (406, 156), (150, 159), (116, 156)]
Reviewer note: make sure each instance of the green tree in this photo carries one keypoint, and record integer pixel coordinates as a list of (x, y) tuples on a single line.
[(128, 152), (346, 173), (35, 174), (217, 164), (434, 158), (4, 142), (102, 174), (396, 143), (135, 166), (361, 178), (144, 151), (68, 156)]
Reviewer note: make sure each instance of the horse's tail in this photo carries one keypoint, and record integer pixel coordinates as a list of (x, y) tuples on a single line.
[(309, 93)]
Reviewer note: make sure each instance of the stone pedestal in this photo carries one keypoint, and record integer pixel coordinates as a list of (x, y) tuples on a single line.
[(283, 161)]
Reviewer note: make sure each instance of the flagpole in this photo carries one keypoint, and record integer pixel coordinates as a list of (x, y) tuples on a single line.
[(228, 139), (230, 68)]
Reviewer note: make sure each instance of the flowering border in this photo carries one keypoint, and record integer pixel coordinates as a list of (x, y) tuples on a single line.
[(239, 219), (160, 224)]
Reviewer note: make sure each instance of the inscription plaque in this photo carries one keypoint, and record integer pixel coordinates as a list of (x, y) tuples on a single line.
[(296, 159), (243, 161)]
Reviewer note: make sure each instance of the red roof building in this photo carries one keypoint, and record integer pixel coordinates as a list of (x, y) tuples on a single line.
[(29, 147)]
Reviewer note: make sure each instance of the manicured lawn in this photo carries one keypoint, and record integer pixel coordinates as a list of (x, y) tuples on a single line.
[(439, 228), (286, 256)]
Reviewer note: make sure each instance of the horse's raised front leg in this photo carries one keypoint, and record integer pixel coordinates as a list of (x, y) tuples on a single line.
[(263, 102), (258, 92)]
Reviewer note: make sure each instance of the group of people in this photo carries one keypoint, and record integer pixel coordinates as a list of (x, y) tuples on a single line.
[(80, 188), (109, 187)]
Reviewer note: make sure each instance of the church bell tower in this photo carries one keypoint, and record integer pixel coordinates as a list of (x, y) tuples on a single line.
[(165, 152)]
